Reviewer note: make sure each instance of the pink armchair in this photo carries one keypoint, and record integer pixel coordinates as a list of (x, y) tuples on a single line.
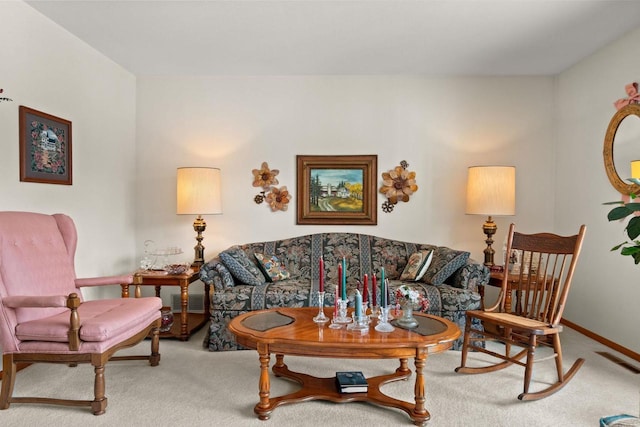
[(43, 317)]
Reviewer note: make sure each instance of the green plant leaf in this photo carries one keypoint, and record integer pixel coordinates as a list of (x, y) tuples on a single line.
[(633, 228), (616, 247), (619, 212), (617, 202), (631, 250)]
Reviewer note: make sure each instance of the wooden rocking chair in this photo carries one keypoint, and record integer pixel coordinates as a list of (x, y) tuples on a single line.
[(541, 288)]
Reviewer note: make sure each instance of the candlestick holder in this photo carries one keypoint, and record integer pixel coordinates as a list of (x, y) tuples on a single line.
[(335, 324), (321, 318), (360, 323), (375, 312), (383, 322), (342, 312)]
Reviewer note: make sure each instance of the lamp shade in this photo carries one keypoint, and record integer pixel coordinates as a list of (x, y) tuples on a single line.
[(198, 191), (491, 190), (635, 169)]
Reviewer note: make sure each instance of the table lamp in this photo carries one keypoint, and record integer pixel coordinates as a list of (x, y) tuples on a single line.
[(491, 191), (198, 193)]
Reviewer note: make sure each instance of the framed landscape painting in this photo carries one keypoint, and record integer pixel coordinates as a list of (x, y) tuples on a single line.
[(337, 190), (45, 148)]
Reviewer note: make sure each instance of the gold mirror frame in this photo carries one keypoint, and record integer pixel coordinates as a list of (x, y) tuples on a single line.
[(617, 182)]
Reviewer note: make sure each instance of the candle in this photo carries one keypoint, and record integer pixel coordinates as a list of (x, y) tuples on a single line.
[(335, 304), (386, 295), (358, 299), (383, 294), (340, 276), (344, 279), (374, 299), (365, 290), (321, 276)]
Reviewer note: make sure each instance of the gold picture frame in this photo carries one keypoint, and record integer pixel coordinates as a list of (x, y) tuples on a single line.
[(337, 190)]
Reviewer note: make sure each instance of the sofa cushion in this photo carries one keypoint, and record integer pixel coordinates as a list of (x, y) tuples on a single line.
[(417, 265), (241, 267), (444, 263), (272, 268)]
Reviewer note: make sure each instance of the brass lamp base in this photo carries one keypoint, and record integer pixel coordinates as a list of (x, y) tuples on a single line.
[(199, 225), (489, 228)]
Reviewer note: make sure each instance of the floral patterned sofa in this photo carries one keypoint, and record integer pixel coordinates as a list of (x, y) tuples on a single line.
[(238, 285)]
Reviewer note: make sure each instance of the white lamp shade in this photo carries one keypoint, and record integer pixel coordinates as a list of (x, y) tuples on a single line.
[(491, 190), (198, 191)]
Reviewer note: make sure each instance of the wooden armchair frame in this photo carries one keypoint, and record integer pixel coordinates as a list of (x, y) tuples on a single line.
[(36, 267)]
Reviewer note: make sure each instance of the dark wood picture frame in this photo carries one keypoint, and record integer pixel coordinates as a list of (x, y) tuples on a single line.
[(337, 190), (45, 148)]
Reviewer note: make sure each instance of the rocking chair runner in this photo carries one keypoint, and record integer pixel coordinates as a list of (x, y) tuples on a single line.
[(542, 286), (43, 317)]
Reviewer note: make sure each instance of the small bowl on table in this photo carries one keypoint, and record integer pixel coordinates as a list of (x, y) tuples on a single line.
[(176, 268)]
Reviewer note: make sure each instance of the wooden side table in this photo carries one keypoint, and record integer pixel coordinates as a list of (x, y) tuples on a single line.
[(495, 280), (189, 322)]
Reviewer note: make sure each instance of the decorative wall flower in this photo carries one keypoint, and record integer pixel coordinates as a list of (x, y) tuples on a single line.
[(278, 198), (633, 96), (398, 185), (265, 177)]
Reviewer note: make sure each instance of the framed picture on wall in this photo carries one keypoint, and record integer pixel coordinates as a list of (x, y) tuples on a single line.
[(45, 148), (337, 190)]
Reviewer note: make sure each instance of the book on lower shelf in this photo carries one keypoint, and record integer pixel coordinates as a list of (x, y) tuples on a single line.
[(351, 382)]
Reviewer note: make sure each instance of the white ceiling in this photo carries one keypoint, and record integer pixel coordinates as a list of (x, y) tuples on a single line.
[(274, 37)]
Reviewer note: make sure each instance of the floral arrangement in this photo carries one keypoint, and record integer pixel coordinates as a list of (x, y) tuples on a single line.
[(404, 294), (277, 198)]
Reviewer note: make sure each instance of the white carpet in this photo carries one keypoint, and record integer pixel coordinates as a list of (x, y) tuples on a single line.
[(195, 387)]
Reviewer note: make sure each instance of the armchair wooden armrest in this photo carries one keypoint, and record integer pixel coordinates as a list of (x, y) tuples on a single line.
[(21, 301), (72, 302), (125, 279)]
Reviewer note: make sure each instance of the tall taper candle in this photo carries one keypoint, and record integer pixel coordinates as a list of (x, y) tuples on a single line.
[(335, 304), (374, 291), (383, 294), (340, 276), (321, 276), (344, 279), (358, 299), (365, 290)]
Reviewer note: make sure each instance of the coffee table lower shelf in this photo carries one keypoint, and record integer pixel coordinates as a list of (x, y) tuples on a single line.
[(314, 388)]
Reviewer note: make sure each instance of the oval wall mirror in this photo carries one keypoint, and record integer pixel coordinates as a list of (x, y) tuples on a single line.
[(624, 132)]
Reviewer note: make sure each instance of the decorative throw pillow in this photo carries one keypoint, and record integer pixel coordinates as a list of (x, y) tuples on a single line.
[(417, 265), (241, 267), (272, 268), (445, 262)]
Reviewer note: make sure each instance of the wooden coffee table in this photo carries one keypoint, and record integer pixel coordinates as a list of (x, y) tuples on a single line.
[(291, 331)]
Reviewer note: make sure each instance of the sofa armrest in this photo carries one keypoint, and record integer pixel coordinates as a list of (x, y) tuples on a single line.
[(469, 276), (215, 274)]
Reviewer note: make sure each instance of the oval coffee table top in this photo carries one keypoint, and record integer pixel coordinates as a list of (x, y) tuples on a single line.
[(292, 331)]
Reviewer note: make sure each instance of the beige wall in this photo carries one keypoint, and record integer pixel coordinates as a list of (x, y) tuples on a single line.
[(607, 285), (48, 69), (439, 125)]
